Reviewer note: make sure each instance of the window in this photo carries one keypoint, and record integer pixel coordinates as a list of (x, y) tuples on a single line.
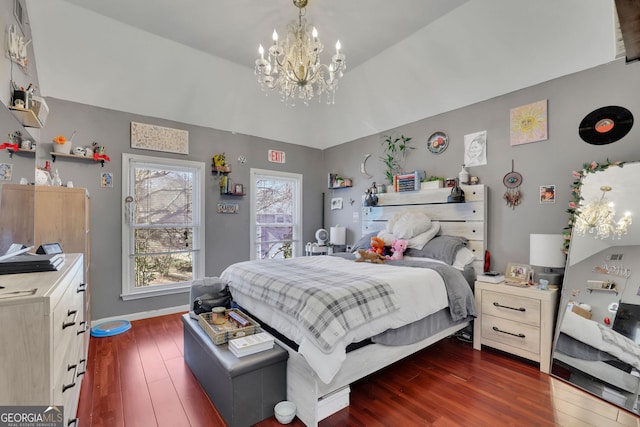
[(276, 214), (163, 230)]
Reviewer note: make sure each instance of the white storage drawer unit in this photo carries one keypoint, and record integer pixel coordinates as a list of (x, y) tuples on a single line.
[(42, 351), (517, 320)]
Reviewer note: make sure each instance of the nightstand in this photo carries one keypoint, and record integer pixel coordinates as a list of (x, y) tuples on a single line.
[(516, 320)]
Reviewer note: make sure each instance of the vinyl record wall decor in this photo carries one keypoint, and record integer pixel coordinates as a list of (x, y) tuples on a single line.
[(605, 125)]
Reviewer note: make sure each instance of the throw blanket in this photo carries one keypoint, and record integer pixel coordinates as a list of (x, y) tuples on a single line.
[(328, 304)]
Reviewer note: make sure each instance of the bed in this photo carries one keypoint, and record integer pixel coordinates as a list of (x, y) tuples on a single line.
[(399, 307)]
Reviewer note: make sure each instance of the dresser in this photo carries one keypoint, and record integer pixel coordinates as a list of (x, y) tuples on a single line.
[(516, 320), (42, 351)]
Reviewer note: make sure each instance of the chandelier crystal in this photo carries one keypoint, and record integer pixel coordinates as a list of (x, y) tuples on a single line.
[(597, 218), (293, 66)]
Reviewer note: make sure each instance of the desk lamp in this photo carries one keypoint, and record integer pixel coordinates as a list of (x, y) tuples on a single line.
[(545, 250)]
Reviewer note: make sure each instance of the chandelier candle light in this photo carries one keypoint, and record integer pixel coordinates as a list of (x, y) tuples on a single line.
[(597, 218), (293, 66)]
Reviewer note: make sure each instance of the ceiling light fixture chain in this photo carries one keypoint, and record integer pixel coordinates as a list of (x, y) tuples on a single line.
[(293, 66)]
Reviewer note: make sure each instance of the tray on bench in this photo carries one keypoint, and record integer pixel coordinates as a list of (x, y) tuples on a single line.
[(221, 334)]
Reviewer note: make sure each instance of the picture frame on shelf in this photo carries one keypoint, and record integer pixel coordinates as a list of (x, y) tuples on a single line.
[(238, 189), (518, 274)]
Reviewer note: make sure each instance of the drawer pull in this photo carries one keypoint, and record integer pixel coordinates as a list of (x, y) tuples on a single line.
[(73, 313), (83, 327), (84, 362), (73, 421), (522, 309), (66, 387), (82, 287), (495, 328)]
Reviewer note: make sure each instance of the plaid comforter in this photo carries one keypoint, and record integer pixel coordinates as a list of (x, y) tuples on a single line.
[(327, 303)]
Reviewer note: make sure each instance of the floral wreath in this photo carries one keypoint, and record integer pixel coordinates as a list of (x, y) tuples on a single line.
[(587, 168)]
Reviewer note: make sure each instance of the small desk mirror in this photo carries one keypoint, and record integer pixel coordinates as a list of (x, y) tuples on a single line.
[(597, 339)]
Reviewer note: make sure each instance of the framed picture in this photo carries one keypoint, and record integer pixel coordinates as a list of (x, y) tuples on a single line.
[(336, 203), (518, 274), (547, 194), (239, 189), (106, 180), (6, 170)]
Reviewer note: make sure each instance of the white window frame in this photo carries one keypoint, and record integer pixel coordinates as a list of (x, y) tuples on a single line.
[(129, 291), (297, 222)]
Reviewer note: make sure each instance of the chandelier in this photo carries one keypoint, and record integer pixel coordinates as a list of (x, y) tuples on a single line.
[(597, 218), (293, 66)]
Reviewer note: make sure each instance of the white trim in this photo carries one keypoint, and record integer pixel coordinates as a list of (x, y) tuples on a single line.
[(297, 226), (143, 314)]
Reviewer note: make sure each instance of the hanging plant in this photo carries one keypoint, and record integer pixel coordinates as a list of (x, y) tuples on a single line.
[(576, 187), (395, 153)]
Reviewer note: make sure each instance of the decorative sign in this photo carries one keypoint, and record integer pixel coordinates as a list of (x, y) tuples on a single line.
[(228, 208), (158, 138), (276, 156)]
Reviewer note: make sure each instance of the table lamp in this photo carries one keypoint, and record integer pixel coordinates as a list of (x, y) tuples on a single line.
[(545, 250)]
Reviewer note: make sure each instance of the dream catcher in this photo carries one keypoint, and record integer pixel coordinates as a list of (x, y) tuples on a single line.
[(513, 181)]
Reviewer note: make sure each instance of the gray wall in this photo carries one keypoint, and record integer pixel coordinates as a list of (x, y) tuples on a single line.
[(570, 98), (227, 236)]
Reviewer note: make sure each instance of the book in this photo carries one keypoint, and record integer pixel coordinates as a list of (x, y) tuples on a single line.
[(490, 279), (251, 344)]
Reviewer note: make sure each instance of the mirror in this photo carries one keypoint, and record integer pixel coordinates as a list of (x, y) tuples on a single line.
[(16, 200), (597, 338)]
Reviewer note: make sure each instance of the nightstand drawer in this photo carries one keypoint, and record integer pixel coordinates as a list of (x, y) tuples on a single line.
[(511, 307), (513, 334)]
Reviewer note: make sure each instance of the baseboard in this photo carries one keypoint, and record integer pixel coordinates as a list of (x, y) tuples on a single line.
[(143, 314)]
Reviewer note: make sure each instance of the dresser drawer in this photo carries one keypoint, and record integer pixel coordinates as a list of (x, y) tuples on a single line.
[(511, 307), (68, 314), (513, 334)]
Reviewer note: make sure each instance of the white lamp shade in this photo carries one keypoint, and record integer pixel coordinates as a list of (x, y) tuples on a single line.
[(338, 235), (545, 250)]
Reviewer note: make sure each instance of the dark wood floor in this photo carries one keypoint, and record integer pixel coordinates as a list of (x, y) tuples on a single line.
[(139, 378)]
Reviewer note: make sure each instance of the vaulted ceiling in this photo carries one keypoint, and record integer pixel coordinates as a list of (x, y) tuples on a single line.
[(192, 61)]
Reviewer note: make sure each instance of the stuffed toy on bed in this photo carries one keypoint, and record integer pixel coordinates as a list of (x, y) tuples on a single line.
[(377, 246), (398, 247), (366, 256)]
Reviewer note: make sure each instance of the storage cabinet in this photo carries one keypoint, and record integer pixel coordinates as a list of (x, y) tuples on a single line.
[(62, 215), (42, 341), (516, 320)]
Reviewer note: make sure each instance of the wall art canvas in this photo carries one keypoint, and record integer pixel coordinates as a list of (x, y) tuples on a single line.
[(529, 123), (228, 208), (158, 138), (475, 149)]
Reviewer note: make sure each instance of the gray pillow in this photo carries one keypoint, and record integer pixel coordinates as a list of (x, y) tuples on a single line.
[(364, 242), (443, 248)]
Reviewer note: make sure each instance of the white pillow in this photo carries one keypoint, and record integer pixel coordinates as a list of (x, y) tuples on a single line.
[(418, 242), (464, 257), (409, 224)]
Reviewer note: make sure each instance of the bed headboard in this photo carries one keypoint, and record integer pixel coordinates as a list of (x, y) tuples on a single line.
[(467, 219)]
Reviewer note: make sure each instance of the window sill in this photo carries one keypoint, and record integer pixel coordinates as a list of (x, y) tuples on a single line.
[(149, 293)]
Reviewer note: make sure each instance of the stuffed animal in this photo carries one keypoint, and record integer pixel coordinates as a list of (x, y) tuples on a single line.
[(377, 246), (366, 256), (398, 247)]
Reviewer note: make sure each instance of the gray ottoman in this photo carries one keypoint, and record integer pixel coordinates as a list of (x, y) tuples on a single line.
[(244, 390)]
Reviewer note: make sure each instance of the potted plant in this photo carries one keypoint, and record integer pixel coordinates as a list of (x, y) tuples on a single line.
[(395, 154), (431, 182)]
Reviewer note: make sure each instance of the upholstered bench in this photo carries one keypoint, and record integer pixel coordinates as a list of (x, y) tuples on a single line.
[(244, 390)]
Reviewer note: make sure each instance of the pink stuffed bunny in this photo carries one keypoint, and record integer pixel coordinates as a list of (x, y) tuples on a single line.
[(398, 247)]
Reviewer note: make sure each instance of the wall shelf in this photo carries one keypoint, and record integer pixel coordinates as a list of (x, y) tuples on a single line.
[(26, 117), (615, 291), (31, 152), (54, 155)]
